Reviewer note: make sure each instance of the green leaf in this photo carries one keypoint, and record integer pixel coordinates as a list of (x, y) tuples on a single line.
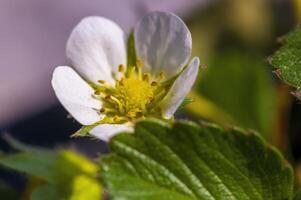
[(65, 175), (18, 145), (82, 187), (7, 192), (39, 164), (298, 195), (47, 192), (84, 130), (190, 162), (49, 166), (287, 61)]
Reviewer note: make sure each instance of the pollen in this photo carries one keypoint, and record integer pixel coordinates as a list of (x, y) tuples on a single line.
[(134, 95)]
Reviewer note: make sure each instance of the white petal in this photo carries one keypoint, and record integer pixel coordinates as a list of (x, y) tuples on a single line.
[(96, 48), (180, 89), (163, 43), (75, 95), (106, 131)]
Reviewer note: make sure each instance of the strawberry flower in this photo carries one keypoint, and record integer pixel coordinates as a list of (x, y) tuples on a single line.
[(106, 95)]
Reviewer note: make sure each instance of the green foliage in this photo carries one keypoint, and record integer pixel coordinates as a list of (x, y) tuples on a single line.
[(188, 161), (46, 192), (239, 83), (236, 82), (81, 188), (7, 193), (287, 61), (64, 175), (298, 195)]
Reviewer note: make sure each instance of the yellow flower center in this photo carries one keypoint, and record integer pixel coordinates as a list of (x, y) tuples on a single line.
[(134, 95)]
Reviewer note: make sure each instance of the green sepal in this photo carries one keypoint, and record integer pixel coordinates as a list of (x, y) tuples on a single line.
[(185, 102), (84, 131), (131, 52)]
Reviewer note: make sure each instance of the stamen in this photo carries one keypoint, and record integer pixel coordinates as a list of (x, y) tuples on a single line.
[(108, 97), (132, 72), (151, 99), (139, 63), (115, 119), (159, 96), (158, 109), (121, 68), (161, 76), (121, 82), (120, 106), (107, 110), (146, 77), (154, 83), (101, 81), (118, 119), (133, 96)]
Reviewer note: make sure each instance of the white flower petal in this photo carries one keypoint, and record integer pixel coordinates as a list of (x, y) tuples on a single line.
[(106, 131), (180, 89), (163, 43), (75, 95), (96, 48)]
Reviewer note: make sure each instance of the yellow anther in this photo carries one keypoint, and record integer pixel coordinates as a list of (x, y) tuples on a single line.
[(121, 68), (134, 95), (154, 83), (146, 77), (121, 82), (101, 81), (151, 99), (161, 76), (115, 119)]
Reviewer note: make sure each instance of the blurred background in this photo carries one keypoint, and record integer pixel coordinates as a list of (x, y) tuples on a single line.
[(236, 85)]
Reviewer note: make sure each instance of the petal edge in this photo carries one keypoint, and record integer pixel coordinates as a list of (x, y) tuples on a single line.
[(106, 131), (180, 89), (96, 47), (75, 95), (163, 43)]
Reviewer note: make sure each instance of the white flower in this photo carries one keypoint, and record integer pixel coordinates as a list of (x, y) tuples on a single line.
[(108, 96)]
